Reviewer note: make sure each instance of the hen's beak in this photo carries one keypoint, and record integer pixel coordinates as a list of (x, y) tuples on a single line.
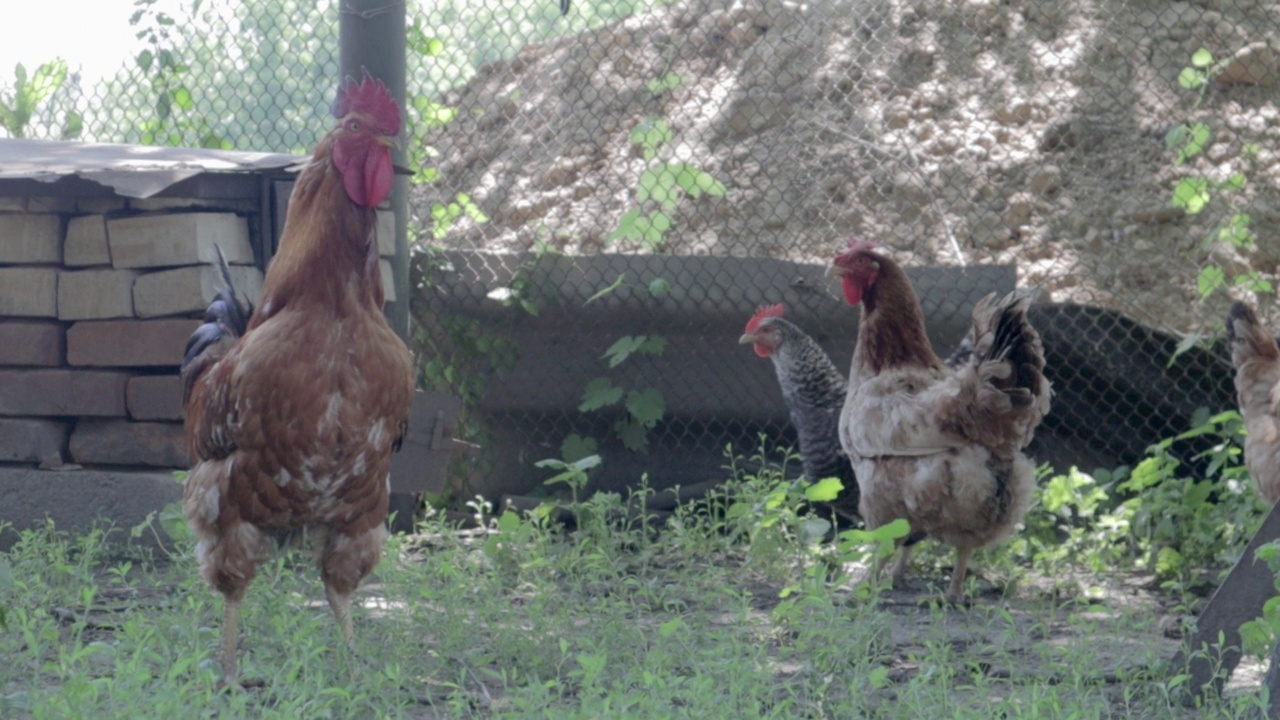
[(836, 271), (747, 339)]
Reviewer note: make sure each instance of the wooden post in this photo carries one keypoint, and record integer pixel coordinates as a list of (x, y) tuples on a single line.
[(1239, 599), (371, 36)]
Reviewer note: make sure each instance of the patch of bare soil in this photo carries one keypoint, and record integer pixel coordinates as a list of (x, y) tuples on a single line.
[(976, 131)]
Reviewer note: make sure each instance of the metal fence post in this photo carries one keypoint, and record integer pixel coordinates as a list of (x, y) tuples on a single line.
[(371, 36)]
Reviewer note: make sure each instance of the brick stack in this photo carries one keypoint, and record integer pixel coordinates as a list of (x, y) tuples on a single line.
[(94, 313)]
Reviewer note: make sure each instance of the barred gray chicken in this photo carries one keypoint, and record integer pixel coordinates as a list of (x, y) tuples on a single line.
[(814, 391)]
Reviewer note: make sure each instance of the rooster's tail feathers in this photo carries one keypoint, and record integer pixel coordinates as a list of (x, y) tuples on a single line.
[(225, 320)]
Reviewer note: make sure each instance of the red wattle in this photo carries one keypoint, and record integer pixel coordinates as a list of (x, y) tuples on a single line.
[(852, 290), (378, 176)]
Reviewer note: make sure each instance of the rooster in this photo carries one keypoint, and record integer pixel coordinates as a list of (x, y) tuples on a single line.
[(291, 417), (1257, 361), (937, 446), (814, 391)]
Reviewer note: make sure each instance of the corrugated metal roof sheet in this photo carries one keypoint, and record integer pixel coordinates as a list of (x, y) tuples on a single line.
[(138, 171)]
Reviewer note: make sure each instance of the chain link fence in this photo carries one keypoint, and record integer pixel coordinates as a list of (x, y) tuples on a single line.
[(605, 197)]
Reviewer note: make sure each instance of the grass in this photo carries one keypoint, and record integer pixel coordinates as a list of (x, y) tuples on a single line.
[(710, 615)]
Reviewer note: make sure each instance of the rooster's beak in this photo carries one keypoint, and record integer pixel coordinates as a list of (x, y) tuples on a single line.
[(747, 339), (836, 271), (390, 141)]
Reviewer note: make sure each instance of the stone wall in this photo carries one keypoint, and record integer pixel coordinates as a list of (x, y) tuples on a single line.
[(97, 300)]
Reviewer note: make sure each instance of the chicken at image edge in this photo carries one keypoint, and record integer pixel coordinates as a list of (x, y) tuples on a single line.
[(1257, 362)]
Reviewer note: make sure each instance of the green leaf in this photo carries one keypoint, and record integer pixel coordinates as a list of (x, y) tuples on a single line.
[(650, 135), (182, 98), (1184, 345), (1202, 58), (601, 293), (1168, 561), (653, 345), (1253, 282), (670, 81), (1236, 231), (1236, 182), (1191, 194), (1191, 78), (599, 393), (628, 227), (73, 125), (657, 184), (622, 349), (6, 575), (576, 447), (694, 181), (508, 522), (646, 406), (45, 81), (632, 434), (659, 287), (1195, 138), (824, 490), (813, 529), (1211, 278)]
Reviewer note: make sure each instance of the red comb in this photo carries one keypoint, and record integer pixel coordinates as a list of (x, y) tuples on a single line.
[(369, 97), (858, 244), (765, 311)]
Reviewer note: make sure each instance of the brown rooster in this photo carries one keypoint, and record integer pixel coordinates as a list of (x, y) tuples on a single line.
[(936, 445), (1257, 361), (292, 418)]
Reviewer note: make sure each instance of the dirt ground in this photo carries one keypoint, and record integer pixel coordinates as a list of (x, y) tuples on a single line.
[(977, 131)]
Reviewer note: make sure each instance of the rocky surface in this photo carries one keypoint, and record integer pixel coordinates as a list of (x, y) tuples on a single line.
[(974, 131)]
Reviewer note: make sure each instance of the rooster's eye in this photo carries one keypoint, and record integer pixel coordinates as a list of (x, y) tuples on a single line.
[(354, 126)]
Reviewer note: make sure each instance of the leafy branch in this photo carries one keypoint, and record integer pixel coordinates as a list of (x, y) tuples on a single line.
[(1196, 193), (662, 184), (17, 108)]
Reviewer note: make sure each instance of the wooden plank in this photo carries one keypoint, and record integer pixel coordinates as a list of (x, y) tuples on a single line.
[(428, 445), (1239, 599)]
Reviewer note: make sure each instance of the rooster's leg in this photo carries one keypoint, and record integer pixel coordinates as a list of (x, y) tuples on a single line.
[(340, 603), (955, 592), (230, 641)]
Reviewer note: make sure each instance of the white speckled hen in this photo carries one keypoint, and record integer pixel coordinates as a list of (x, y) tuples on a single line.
[(937, 446)]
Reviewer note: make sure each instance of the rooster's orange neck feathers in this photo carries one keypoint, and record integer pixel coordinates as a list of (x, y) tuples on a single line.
[(328, 251)]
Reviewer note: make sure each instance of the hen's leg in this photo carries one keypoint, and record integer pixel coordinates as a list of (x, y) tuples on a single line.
[(900, 566), (955, 592)]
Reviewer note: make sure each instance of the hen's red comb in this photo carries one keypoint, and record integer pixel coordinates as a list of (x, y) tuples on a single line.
[(371, 98), (765, 311), (858, 244)]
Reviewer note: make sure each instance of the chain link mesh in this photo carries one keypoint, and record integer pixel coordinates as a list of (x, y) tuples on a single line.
[(1086, 142)]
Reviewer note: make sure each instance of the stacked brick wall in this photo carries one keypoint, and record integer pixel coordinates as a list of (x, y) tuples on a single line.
[(97, 299)]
